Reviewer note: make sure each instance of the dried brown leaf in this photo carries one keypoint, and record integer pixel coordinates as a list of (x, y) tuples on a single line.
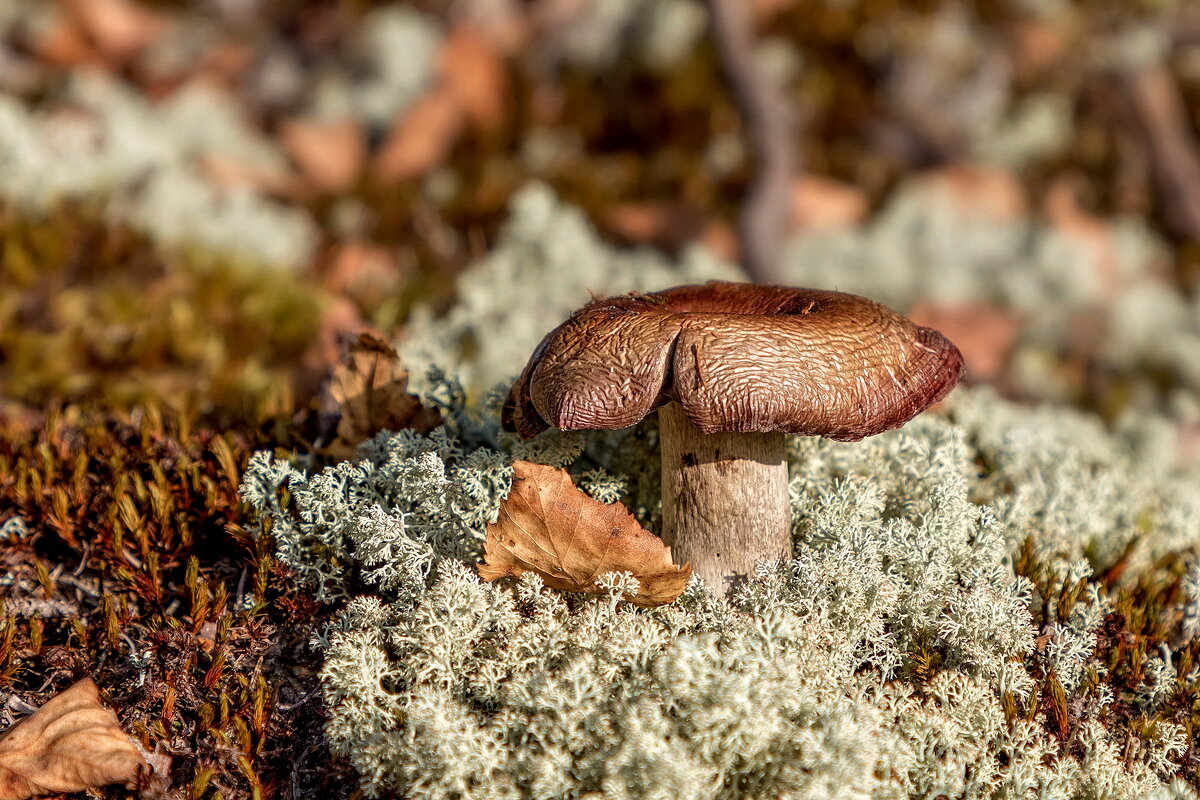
[(420, 140), (820, 203), (370, 388), (70, 744), (62, 43), (1094, 234), (119, 28), (329, 154), (669, 225), (550, 527), (226, 172), (474, 76), (365, 272), (975, 192), (984, 334)]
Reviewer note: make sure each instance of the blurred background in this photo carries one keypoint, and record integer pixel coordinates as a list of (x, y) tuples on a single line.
[(201, 201), (197, 199)]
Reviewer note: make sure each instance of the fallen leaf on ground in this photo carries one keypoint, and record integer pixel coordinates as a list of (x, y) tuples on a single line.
[(60, 42), (976, 192), (984, 334), (329, 154), (421, 139), (820, 203), (119, 28), (669, 225), (1095, 234), (1036, 45), (370, 388), (227, 172), (719, 236), (550, 527), (70, 744), (365, 272), (474, 76)]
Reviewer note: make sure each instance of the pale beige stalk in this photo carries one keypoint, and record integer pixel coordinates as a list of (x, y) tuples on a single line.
[(725, 499)]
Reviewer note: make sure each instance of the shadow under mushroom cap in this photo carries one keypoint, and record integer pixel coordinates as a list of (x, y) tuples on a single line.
[(737, 357)]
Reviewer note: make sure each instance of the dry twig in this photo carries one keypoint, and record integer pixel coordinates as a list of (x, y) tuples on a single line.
[(768, 121), (1158, 107)]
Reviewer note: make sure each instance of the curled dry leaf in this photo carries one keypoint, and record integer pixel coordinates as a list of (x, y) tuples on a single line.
[(70, 744), (370, 388), (550, 527)]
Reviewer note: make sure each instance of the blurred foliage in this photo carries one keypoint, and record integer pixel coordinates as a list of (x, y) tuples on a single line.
[(93, 312)]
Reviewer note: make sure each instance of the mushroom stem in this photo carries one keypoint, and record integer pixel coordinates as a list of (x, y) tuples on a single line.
[(725, 499)]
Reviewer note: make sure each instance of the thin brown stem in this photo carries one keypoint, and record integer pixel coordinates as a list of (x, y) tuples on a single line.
[(1170, 143), (762, 225)]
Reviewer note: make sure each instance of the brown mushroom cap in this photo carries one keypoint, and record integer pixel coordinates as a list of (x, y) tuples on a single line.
[(737, 357)]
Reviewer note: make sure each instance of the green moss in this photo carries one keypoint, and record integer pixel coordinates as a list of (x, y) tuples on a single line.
[(99, 314)]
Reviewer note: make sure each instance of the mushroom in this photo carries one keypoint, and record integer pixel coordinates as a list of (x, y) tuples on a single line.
[(732, 368)]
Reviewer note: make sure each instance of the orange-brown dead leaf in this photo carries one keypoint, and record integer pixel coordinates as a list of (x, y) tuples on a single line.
[(550, 527), (976, 192), (62, 44), (365, 272), (474, 76), (1036, 45), (820, 203), (718, 235), (422, 138), (984, 334), (370, 388), (669, 225), (227, 172), (329, 154), (1095, 234), (119, 28), (70, 744)]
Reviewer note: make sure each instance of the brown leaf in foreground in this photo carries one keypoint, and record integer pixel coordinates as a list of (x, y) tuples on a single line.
[(550, 527), (370, 388), (70, 744)]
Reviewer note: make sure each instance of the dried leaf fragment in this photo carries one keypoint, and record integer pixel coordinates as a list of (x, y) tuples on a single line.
[(119, 28), (70, 744), (329, 154), (474, 76), (550, 527), (421, 139), (370, 388)]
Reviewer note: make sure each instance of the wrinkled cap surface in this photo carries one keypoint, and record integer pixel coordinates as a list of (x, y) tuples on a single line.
[(737, 357)]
